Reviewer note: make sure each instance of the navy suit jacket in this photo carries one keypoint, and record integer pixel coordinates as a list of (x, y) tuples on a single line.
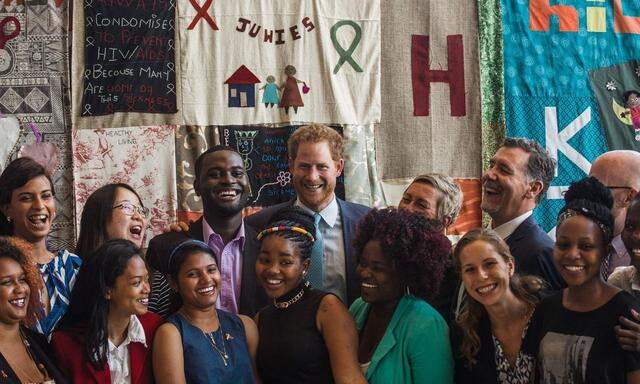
[(532, 250), (252, 296), (350, 213)]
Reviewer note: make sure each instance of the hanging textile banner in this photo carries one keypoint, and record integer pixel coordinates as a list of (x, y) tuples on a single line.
[(33, 84), (566, 69), (142, 157), (124, 64), (270, 62), (129, 57), (431, 115)]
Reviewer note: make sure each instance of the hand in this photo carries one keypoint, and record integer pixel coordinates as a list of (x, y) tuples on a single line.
[(179, 226), (629, 336)]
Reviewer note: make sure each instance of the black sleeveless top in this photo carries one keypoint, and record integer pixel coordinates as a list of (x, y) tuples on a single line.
[(290, 348)]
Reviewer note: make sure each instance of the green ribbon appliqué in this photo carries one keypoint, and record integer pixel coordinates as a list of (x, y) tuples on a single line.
[(346, 55)]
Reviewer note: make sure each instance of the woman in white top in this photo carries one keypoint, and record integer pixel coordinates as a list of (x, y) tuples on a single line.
[(107, 333)]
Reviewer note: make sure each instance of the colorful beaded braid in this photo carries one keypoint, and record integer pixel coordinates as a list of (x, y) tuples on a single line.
[(282, 228)]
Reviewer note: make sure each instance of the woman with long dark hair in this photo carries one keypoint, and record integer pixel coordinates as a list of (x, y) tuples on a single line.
[(113, 211), (200, 344), (28, 208), (25, 356), (107, 333), (490, 338)]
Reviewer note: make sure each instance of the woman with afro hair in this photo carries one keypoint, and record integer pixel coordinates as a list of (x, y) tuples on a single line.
[(401, 264), (575, 327)]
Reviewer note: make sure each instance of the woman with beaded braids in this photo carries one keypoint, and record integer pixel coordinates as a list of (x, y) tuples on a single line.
[(575, 327), (307, 335)]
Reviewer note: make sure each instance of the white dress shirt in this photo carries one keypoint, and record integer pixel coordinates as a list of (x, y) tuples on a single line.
[(505, 230), (118, 357)]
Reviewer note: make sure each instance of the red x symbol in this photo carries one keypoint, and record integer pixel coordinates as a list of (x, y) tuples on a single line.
[(202, 14)]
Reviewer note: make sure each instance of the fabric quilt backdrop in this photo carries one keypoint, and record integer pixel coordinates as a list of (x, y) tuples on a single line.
[(567, 65), (234, 62), (34, 85), (254, 62), (143, 157)]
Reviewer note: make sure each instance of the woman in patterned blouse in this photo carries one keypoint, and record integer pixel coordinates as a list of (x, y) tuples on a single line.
[(28, 209), (490, 340)]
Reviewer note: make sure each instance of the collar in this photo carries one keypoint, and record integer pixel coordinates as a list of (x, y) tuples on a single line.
[(135, 334), (505, 230), (207, 232), (619, 247), (329, 213)]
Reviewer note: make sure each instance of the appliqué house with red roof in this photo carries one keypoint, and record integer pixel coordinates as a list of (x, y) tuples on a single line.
[(242, 88)]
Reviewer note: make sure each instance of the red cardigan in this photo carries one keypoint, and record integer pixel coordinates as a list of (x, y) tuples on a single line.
[(69, 351)]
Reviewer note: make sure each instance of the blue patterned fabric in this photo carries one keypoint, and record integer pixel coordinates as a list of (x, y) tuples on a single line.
[(59, 276)]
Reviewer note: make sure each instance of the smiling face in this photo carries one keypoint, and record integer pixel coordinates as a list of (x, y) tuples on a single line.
[(506, 190), (314, 174), (130, 292), (279, 267), (578, 250), (123, 226), (422, 199), (14, 292), (379, 279), (485, 273), (631, 233), (198, 280), (223, 183), (32, 209)]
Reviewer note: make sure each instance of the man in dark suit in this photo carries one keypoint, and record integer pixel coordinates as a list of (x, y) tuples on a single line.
[(315, 161), (518, 176), (222, 183)]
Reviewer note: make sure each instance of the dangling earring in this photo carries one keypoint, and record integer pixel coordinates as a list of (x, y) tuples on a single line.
[(407, 291), (9, 219)]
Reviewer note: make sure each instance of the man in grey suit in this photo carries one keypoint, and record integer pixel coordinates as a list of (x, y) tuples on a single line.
[(518, 176), (315, 162)]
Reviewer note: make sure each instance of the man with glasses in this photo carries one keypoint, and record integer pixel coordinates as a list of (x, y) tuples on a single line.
[(222, 182), (620, 171)]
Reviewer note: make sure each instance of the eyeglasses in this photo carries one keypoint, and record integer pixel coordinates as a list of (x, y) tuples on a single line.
[(129, 209)]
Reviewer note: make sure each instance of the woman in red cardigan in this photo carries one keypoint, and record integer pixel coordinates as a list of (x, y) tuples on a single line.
[(107, 333)]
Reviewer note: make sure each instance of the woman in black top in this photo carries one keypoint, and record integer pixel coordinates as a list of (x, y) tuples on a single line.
[(25, 356), (306, 336), (575, 327)]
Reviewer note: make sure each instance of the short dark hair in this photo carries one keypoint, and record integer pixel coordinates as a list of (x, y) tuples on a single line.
[(540, 166), (415, 244), (18, 173), (96, 214), (89, 307), (215, 148)]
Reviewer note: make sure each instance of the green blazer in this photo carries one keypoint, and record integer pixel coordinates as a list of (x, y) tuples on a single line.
[(415, 347)]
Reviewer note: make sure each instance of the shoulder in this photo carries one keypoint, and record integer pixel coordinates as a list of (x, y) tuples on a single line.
[(621, 275), (534, 233), (69, 258), (248, 323), (65, 340), (169, 330), (353, 209), (422, 313), (357, 306), (34, 337), (622, 303), (150, 322), (260, 219), (331, 303)]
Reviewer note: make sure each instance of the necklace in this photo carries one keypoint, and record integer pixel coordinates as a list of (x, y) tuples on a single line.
[(222, 352), (291, 301), (210, 336)]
